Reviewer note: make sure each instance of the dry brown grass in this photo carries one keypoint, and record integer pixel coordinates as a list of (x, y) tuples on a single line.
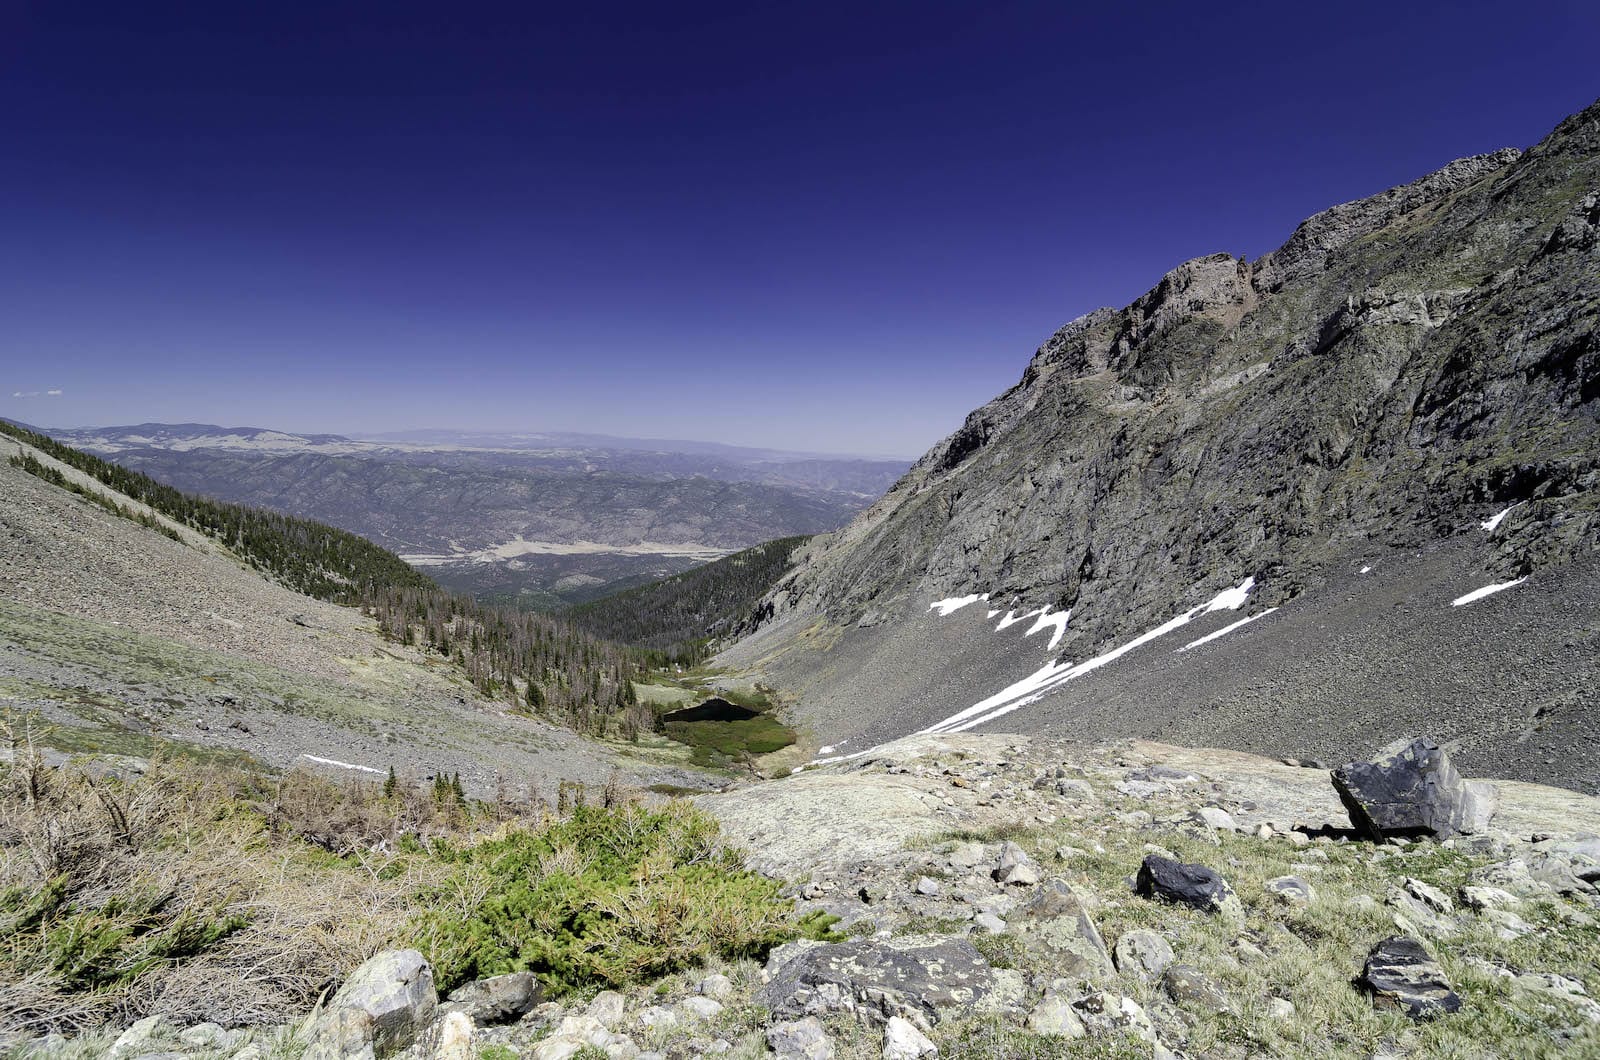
[(320, 874)]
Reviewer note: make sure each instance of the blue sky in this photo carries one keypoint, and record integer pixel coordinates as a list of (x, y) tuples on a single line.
[(818, 226)]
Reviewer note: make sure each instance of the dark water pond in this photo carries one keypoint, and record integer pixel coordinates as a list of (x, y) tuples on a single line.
[(711, 710)]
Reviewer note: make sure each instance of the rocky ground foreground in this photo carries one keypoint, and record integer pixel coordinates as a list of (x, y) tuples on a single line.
[(1000, 896)]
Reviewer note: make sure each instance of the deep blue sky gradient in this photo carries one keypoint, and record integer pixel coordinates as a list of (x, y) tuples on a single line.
[(820, 226)]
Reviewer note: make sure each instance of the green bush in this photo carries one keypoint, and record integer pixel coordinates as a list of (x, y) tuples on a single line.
[(607, 896)]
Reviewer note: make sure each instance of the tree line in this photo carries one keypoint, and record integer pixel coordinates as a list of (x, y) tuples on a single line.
[(677, 618), (536, 663)]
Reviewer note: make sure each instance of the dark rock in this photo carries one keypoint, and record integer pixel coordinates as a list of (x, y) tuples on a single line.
[(916, 978), (1400, 973), (1410, 790), (499, 998), (1192, 885)]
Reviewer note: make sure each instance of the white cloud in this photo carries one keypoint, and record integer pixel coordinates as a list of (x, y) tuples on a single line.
[(54, 391)]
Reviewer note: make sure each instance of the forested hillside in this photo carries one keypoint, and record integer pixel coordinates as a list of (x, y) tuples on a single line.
[(678, 615), (537, 663)]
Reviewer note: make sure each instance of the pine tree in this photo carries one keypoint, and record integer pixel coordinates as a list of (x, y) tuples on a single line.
[(390, 784)]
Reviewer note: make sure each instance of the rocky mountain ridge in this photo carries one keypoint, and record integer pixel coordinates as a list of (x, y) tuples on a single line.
[(1403, 369)]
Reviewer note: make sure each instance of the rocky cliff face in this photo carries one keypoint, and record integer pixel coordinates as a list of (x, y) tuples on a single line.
[(1407, 386), (1402, 367)]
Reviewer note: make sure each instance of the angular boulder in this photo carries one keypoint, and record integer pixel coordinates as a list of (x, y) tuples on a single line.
[(384, 1006), (497, 999), (1410, 790), (1400, 973), (1185, 884), (1055, 922), (914, 977)]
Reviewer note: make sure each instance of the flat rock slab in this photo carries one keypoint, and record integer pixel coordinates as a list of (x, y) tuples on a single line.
[(915, 977), (845, 815)]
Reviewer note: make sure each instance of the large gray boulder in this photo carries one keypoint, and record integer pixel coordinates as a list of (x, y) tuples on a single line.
[(916, 978), (1410, 789), (379, 1011)]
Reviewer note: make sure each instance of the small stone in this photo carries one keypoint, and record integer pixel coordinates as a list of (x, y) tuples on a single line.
[(608, 1008), (1055, 1018), (1429, 896), (1216, 818), (803, 1039), (702, 1008), (902, 1041), (718, 986), (557, 1049), (1401, 973), (658, 1016), (206, 1036), (1142, 953), (1291, 890), (1187, 985), (1280, 1008), (966, 856), (927, 886), (137, 1038), (1479, 899), (989, 924)]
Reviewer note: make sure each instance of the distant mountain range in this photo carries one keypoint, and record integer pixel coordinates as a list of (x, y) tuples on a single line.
[(541, 519)]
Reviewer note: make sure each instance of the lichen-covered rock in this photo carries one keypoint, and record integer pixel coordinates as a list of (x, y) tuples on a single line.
[(1185, 884), (1410, 789), (803, 1039), (384, 1004), (1291, 890), (920, 978), (1189, 986), (1401, 973), (1055, 920), (1142, 953)]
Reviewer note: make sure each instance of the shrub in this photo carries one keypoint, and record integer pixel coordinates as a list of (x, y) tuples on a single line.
[(604, 897)]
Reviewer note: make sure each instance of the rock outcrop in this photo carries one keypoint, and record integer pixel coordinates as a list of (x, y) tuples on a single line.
[(1410, 789)]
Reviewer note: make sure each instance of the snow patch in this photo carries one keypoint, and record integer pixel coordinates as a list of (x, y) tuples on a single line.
[(1012, 618), (953, 604), (1494, 520), (341, 765), (1035, 686), (1046, 620), (993, 611), (1487, 590), (1366, 570), (1225, 630)]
